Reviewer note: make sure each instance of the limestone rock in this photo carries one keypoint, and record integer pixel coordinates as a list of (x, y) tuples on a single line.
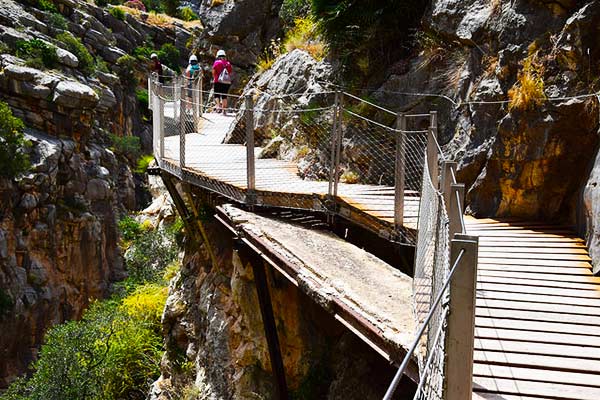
[(67, 58), (75, 95)]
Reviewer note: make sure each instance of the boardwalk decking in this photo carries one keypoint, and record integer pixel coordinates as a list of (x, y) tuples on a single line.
[(537, 328), (277, 181)]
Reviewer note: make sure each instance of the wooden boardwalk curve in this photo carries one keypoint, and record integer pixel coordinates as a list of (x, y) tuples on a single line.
[(222, 167), (537, 325)]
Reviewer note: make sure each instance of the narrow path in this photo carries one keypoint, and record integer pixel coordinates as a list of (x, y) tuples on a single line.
[(537, 329)]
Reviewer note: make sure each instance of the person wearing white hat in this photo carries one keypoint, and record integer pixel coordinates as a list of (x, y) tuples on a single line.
[(156, 68), (192, 72), (222, 76)]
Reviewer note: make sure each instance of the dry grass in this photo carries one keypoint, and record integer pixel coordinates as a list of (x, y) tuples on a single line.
[(349, 177), (158, 19), (304, 36), (528, 91), (270, 55), (215, 3)]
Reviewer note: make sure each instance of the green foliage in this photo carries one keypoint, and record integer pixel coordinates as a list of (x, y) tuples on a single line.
[(304, 35), (130, 229), (170, 6), (128, 146), (143, 52), (115, 350), (101, 65), (117, 13), (143, 163), (101, 3), (38, 50), (169, 56), (57, 21), (380, 31), (293, 9), (127, 66), (75, 46), (47, 5), (187, 14), (150, 254), (14, 160)]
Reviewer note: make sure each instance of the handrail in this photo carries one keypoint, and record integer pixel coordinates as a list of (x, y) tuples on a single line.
[(415, 343)]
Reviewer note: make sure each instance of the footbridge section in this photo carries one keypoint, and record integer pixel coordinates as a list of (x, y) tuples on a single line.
[(500, 310)]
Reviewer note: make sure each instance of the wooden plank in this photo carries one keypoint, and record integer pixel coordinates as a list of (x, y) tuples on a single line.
[(532, 374), (544, 292), (511, 280), (541, 307), (534, 298), (536, 269), (538, 361), (540, 326), (547, 316), (541, 337), (590, 279), (533, 262), (486, 247), (483, 253), (514, 346), (532, 388), (550, 233), (497, 396)]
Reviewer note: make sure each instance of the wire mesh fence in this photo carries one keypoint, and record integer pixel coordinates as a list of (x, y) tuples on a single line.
[(307, 148), (432, 267)]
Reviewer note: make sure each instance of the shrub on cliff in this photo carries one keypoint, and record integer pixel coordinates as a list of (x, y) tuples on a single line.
[(117, 13), (37, 53), (187, 14), (75, 46), (13, 157)]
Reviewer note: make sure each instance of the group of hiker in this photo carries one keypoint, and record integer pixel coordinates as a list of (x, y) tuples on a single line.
[(222, 72)]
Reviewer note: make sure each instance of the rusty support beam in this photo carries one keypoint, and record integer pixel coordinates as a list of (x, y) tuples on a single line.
[(266, 310)]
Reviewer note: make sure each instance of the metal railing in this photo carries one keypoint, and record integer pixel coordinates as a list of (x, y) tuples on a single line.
[(444, 285), (340, 147)]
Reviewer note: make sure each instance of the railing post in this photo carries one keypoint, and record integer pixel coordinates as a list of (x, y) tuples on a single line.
[(182, 127), (175, 97), (455, 209), (332, 166), (251, 178), (338, 146), (201, 84), (447, 181), (399, 170), (460, 332), (150, 105), (161, 127), (432, 150)]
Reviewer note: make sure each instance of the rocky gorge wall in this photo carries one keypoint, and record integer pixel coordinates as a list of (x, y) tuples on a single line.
[(58, 222)]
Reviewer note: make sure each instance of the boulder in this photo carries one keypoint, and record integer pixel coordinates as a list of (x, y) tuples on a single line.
[(72, 94), (67, 58), (97, 189)]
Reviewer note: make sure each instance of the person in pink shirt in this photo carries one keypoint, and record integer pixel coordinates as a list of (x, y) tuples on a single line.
[(222, 74)]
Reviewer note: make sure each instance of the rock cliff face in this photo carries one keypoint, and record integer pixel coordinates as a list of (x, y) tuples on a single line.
[(58, 233), (530, 162)]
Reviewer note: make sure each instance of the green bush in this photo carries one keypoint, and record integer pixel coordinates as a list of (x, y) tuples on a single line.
[(101, 3), (101, 65), (150, 254), (129, 228), (293, 9), (187, 14), (143, 52), (117, 13), (128, 146), (57, 21), (127, 66), (143, 164), (169, 56), (36, 49), (6, 303), (75, 46), (47, 5), (13, 158)]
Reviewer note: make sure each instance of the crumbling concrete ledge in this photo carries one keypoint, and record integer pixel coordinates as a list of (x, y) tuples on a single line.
[(365, 294)]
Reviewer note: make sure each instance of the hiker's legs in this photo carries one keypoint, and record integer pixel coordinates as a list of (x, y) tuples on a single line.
[(224, 104)]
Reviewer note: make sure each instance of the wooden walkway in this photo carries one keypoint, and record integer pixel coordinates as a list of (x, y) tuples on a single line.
[(222, 167), (537, 333)]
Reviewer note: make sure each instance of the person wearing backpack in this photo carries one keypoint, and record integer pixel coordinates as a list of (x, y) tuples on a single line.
[(192, 72), (222, 74)]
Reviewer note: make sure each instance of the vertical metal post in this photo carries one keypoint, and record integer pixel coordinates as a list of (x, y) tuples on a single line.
[(432, 150), (454, 208), (176, 98), (458, 384), (161, 127), (201, 97), (266, 311), (447, 180), (251, 178), (182, 128), (150, 91), (195, 106), (338, 147), (332, 171), (399, 170)]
